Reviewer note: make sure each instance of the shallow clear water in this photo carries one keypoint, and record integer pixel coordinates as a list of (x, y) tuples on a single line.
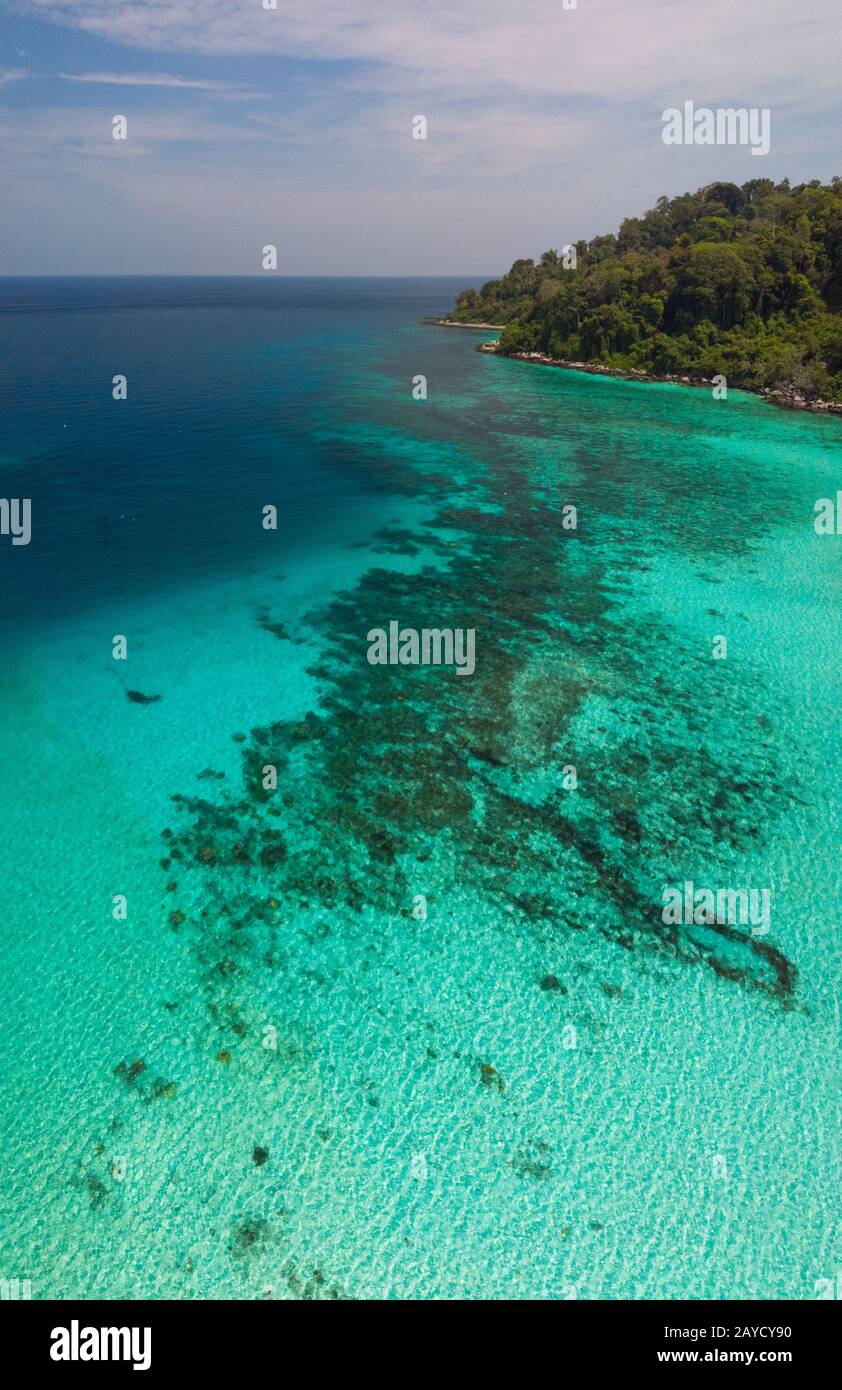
[(338, 1098)]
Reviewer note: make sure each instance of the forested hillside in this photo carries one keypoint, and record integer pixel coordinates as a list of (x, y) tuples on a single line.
[(745, 281)]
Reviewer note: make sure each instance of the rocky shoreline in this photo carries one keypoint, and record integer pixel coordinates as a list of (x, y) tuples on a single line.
[(785, 396)]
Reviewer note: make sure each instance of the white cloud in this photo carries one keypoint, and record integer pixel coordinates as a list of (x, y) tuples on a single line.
[(610, 49), (53, 131), (12, 75), (150, 79)]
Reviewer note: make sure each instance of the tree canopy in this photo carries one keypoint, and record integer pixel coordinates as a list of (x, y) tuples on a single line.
[(744, 281)]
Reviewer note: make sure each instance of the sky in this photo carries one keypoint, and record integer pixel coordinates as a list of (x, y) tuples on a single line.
[(293, 126)]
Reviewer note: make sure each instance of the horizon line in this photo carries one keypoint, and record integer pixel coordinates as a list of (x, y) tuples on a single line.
[(215, 275)]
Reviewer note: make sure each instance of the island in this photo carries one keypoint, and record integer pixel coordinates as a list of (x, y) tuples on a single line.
[(741, 283)]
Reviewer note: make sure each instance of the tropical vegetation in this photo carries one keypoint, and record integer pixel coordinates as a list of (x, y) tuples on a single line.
[(740, 280)]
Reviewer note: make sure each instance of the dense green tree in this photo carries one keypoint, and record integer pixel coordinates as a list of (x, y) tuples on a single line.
[(741, 280)]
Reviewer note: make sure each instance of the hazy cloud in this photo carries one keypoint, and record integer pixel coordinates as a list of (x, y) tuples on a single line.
[(150, 79)]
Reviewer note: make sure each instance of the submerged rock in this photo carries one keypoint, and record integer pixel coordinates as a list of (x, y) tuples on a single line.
[(163, 1090), (248, 1233), (273, 854), (491, 1076), (138, 698), (132, 1071), (533, 1165)]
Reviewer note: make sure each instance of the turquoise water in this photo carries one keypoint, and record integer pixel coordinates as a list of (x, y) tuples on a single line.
[(272, 1079)]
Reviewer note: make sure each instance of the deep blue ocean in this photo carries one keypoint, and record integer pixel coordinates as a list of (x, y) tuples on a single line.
[(225, 380)]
